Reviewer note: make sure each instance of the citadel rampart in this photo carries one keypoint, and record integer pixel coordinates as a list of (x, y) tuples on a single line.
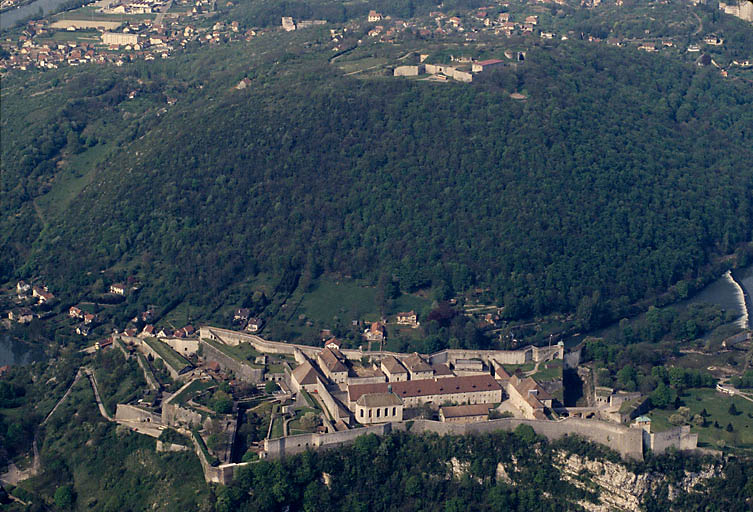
[(679, 438), (336, 411), (271, 347), (628, 442), (276, 448), (243, 371), (125, 412), (520, 356), (183, 346), (174, 415)]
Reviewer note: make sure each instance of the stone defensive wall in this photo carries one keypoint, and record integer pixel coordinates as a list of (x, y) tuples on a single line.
[(628, 442), (229, 337), (174, 415), (222, 474), (148, 375), (125, 412), (183, 346), (276, 448), (678, 437), (243, 371), (146, 349), (170, 447), (523, 355), (336, 411)]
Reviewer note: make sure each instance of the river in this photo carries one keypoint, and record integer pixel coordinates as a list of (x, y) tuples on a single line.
[(14, 352), (12, 17), (725, 292)]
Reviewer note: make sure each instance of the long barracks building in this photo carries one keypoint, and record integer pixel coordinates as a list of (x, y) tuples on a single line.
[(475, 389)]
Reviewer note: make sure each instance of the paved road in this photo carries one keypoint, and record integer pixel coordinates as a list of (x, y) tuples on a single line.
[(161, 16)]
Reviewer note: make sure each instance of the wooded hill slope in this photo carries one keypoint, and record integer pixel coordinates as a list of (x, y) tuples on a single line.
[(620, 174)]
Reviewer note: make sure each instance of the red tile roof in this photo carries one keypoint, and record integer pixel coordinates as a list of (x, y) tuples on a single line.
[(425, 387)]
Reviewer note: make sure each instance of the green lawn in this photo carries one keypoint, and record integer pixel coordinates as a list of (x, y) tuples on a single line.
[(240, 353), (69, 183), (346, 300), (407, 302), (551, 370), (361, 64), (193, 388), (295, 427), (511, 368), (717, 406), (276, 427)]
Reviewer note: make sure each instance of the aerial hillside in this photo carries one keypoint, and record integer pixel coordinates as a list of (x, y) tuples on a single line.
[(616, 175)]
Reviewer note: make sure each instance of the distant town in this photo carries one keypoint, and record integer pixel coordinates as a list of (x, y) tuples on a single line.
[(114, 32)]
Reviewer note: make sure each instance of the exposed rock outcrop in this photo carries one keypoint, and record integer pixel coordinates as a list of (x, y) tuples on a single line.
[(620, 488)]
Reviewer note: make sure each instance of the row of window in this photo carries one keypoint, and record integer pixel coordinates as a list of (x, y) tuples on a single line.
[(378, 412)]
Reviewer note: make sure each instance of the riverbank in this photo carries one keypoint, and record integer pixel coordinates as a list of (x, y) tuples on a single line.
[(36, 9)]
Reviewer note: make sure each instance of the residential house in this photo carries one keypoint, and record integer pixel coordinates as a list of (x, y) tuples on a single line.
[(375, 332), (254, 324), (74, 312), (288, 25), (104, 343), (713, 40), (410, 318), (148, 330), (374, 17), (42, 294), (22, 315), (241, 315), (333, 343), (118, 289), (22, 288)]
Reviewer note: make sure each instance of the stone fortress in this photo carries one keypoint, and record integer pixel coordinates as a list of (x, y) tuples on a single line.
[(379, 392)]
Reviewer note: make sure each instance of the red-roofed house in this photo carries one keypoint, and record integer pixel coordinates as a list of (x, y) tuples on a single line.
[(102, 344), (375, 332)]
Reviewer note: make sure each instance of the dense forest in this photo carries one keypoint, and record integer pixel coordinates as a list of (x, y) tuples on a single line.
[(619, 175)]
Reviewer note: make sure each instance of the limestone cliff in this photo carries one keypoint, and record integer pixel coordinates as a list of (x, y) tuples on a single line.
[(620, 488)]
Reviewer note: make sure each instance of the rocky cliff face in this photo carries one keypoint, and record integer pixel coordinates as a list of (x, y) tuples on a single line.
[(619, 488)]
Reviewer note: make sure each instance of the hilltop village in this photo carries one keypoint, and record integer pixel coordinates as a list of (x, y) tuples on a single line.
[(234, 387), (114, 32)]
